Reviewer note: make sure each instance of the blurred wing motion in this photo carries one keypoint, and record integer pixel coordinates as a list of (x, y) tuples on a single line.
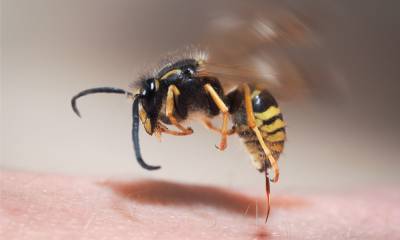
[(281, 76), (270, 47)]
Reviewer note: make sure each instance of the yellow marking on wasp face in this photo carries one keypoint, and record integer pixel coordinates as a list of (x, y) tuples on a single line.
[(268, 114), (255, 93), (145, 121), (276, 137), (278, 123), (172, 72), (147, 126), (142, 115)]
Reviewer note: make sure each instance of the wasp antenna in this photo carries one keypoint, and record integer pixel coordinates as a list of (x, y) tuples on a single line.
[(135, 135), (92, 91), (267, 192)]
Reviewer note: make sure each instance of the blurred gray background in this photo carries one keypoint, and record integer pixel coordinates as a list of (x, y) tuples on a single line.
[(53, 49)]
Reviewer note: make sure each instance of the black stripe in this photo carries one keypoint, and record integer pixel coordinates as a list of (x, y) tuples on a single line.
[(279, 143), (246, 134), (251, 141), (263, 101), (273, 119), (277, 130)]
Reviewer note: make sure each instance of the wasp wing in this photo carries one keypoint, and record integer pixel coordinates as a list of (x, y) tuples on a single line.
[(271, 47), (266, 70)]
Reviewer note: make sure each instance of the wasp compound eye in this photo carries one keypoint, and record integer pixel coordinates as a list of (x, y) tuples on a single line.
[(149, 87)]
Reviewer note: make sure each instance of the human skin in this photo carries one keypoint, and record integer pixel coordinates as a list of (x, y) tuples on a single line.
[(43, 206)]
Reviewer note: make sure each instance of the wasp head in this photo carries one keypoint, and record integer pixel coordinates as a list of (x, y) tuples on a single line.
[(151, 102), (153, 90)]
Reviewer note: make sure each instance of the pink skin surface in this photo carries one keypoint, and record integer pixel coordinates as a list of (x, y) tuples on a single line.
[(39, 206)]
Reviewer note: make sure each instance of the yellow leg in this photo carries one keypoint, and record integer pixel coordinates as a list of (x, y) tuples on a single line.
[(208, 124), (251, 122), (225, 114), (173, 92), (164, 129)]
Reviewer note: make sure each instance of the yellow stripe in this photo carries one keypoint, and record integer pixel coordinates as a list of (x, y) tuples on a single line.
[(168, 74), (268, 114), (278, 123), (259, 122), (276, 137)]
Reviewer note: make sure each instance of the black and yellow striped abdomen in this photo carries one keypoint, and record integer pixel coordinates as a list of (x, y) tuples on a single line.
[(270, 122)]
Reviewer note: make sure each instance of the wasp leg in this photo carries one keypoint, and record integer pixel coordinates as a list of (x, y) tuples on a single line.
[(164, 129), (225, 114), (173, 92), (208, 124), (251, 122)]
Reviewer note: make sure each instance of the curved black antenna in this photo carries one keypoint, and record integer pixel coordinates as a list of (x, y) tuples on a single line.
[(92, 91), (135, 135)]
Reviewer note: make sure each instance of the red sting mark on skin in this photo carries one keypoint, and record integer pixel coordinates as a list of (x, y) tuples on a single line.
[(261, 234)]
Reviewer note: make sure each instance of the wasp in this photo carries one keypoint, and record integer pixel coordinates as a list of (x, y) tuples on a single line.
[(185, 88), (193, 86)]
